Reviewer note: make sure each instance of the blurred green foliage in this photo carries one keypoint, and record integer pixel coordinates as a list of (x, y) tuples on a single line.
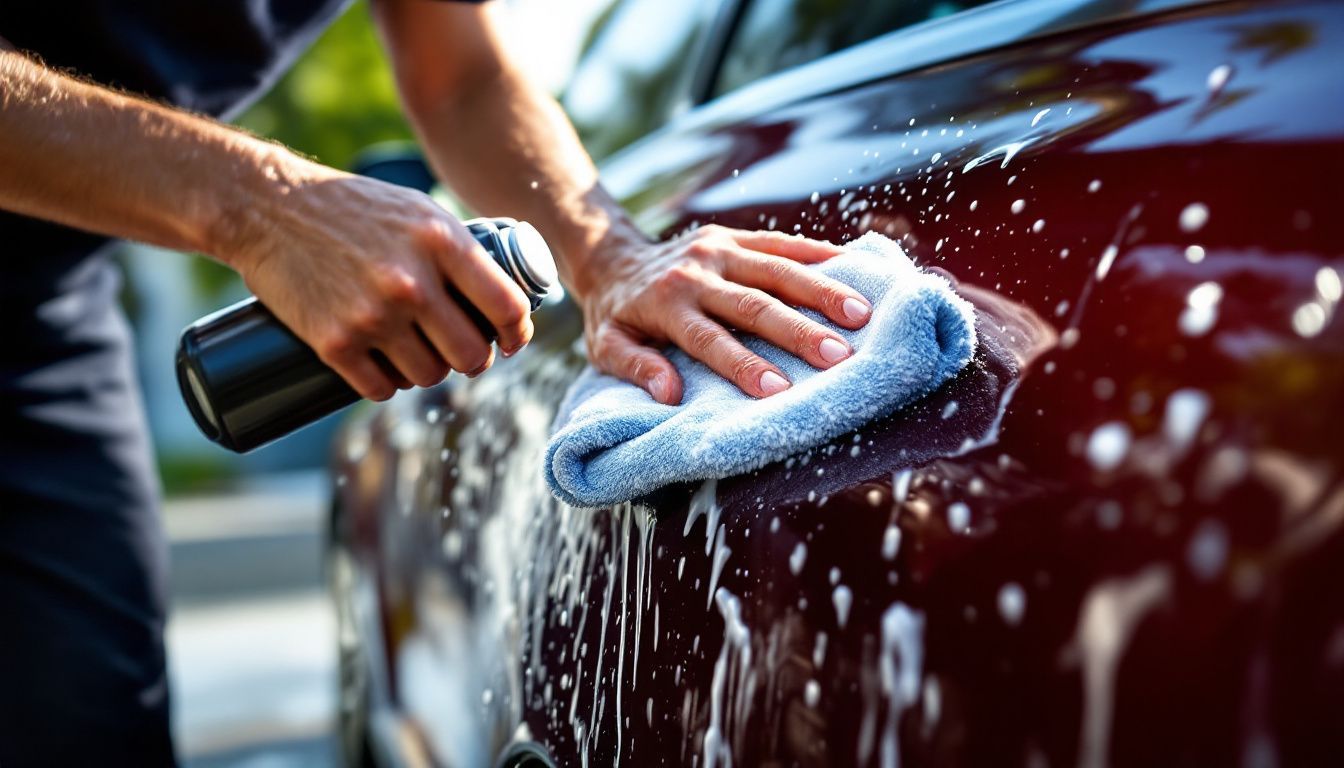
[(194, 473), (210, 281), (338, 99)]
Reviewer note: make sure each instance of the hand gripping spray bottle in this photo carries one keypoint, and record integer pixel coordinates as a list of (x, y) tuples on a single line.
[(248, 380)]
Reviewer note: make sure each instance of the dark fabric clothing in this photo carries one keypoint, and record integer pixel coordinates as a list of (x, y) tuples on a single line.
[(211, 57), (82, 555)]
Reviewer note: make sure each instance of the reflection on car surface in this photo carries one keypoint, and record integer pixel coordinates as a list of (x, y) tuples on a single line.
[(1111, 540)]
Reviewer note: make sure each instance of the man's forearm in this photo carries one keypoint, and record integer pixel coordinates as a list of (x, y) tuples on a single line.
[(352, 265), (515, 153), (505, 147), (92, 158)]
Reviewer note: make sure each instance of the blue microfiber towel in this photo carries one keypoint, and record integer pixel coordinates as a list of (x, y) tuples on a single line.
[(612, 442)]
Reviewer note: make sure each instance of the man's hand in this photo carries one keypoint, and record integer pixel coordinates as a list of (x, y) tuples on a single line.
[(686, 291), (357, 268), (506, 146)]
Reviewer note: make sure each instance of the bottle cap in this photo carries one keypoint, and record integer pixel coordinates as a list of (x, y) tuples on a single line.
[(532, 259)]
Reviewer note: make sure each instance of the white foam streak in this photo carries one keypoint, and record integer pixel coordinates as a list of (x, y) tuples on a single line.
[(798, 558), (733, 681), (901, 665), (1111, 612), (1185, 414), (719, 557), (843, 599), (1009, 151)]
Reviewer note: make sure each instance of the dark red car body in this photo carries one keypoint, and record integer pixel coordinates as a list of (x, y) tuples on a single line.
[(1116, 539)]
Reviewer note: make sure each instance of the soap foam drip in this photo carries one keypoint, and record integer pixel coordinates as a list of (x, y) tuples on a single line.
[(901, 665), (1111, 612), (843, 598), (734, 681)]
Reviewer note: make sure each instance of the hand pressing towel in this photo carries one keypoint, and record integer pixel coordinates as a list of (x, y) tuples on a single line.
[(612, 442)]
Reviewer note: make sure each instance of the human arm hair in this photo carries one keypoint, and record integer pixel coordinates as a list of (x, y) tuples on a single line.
[(97, 159), (506, 148), (352, 265)]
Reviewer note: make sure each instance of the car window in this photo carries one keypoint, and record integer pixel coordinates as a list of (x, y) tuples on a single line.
[(636, 70), (774, 35)]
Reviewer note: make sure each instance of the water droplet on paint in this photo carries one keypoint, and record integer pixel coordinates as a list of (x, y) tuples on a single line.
[(1201, 309), (1207, 552), (1309, 320), (958, 516), (891, 541), (1103, 388), (1012, 603), (843, 598), (1194, 217), (798, 558), (1107, 259), (1107, 445), (1218, 78), (1185, 414), (1328, 284), (900, 485)]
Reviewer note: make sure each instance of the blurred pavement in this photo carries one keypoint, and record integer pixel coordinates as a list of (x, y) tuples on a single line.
[(251, 637)]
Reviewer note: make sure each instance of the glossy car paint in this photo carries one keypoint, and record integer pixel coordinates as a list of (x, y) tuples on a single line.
[(1115, 539)]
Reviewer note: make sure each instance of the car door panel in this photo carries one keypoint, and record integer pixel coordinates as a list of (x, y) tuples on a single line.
[(1100, 543)]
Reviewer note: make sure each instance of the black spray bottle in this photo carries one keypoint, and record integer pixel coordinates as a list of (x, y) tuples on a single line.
[(248, 380)]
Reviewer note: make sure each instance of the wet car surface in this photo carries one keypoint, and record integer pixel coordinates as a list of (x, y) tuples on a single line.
[(1114, 539)]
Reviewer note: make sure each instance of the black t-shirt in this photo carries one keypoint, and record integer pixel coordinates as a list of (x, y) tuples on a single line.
[(209, 56)]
